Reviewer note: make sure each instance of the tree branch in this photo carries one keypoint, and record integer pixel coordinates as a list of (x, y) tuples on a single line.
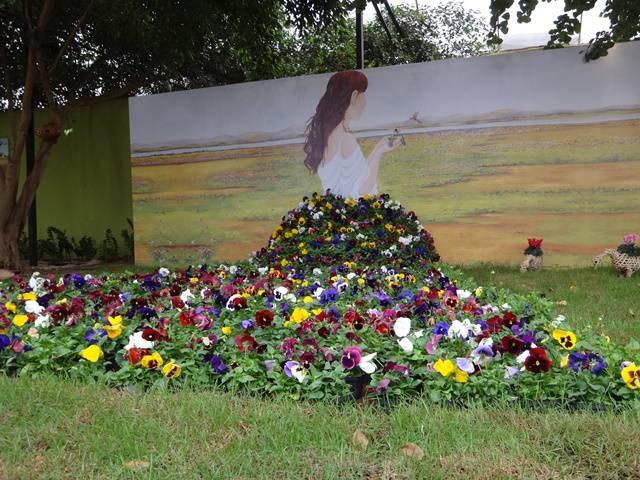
[(5, 67), (31, 184), (70, 37), (12, 172)]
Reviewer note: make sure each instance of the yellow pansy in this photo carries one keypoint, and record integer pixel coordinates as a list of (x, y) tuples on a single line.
[(284, 262), (27, 296), (564, 361), (299, 315), (171, 370), (113, 331), (20, 320), (565, 338), (117, 320), (631, 376), (316, 311), (307, 299), (478, 292), (444, 367), (10, 306), (226, 330), (152, 361), (461, 376), (92, 353), (194, 280), (361, 281), (286, 323)]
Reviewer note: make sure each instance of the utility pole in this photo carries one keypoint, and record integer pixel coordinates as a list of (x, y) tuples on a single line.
[(33, 223), (359, 37)]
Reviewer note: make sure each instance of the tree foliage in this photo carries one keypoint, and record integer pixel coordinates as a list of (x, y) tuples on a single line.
[(624, 17), (428, 33), (60, 54)]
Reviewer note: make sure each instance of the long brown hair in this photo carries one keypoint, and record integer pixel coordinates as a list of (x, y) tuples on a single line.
[(329, 113)]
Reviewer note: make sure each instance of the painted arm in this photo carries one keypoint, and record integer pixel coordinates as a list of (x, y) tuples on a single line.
[(375, 156)]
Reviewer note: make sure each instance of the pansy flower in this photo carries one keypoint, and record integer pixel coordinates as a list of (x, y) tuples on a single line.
[(591, 362), (631, 375), (537, 361), (264, 318), (92, 353), (293, 370), (402, 328), (351, 357), (565, 338), (152, 361), (171, 370)]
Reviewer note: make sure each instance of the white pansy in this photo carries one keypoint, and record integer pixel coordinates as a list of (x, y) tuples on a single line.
[(402, 326), (418, 334), (558, 321), (317, 292), (298, 373), (366, 363), (186, 296), (458, 330), (263, 270), (506, 306), (136, 341), (164, 271), (463, 294), (233, 269), (36, 283), (317, 271), (280, 292), (486, 342), (42, 321), (523, 356), (31, 306), (406, 344), (290, 297)]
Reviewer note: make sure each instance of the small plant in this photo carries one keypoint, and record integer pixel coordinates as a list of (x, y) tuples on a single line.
[(534, 248), (109, 247), (629, 246), (85, 249), (127, 238)]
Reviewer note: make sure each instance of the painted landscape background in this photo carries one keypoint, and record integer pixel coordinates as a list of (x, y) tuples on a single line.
[(500, 149), (480, 192)]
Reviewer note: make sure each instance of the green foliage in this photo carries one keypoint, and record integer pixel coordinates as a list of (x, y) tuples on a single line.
[(154, 46), (624, 17), (629, 249), (109, 250), (429, 33), (127, 238), (58, 248)]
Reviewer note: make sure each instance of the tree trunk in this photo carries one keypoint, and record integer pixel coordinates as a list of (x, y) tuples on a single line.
[(9, 251)]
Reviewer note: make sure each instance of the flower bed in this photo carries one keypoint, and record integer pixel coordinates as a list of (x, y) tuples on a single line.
[(326, 230), (279, 332)]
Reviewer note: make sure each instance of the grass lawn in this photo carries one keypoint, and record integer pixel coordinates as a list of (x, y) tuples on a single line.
[(51, 428)]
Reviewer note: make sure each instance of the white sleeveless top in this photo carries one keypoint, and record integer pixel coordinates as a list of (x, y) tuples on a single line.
[(345, 176)]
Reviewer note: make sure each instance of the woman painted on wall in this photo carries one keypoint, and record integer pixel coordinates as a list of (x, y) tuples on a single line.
[(332, 150)]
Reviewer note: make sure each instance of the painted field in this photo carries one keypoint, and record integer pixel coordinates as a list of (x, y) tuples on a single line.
[(481, 192)]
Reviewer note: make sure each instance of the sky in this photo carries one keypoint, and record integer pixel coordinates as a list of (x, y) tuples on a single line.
[(524, 34)]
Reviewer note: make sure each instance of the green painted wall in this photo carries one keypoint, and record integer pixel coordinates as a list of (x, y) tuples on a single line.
[(87, 185)]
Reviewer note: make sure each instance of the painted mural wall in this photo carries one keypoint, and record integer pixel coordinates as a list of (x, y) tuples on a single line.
[(496, 149)]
